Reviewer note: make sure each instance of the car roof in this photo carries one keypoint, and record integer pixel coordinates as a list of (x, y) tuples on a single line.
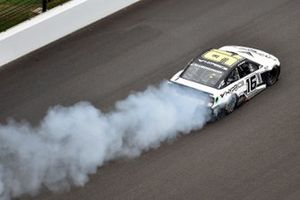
[(221, 59)]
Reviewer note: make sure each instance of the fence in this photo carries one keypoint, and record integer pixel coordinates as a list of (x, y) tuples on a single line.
[(13, 12)]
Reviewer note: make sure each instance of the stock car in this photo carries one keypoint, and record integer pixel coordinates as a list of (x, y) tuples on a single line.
[(230, 75)]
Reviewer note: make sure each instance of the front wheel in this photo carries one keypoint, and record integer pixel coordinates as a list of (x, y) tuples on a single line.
[(272, 76)]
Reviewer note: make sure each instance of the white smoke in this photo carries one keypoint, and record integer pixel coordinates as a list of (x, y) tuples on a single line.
[(72, 142)]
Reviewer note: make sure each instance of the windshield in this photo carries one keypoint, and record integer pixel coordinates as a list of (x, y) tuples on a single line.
[(202, 74)]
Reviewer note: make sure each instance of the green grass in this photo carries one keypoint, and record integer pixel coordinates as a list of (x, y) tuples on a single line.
[(13, 12), (55, 3), (19, 1)]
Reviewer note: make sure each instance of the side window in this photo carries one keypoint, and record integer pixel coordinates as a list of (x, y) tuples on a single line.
[(232, 77), (247, 68)]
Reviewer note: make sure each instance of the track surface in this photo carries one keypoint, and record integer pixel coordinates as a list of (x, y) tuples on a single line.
[(252, 154)]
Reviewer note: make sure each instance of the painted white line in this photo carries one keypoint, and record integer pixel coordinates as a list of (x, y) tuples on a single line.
[(40, 18), (53, 25)]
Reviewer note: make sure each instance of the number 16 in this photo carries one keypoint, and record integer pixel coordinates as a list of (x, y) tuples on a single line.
[(251, 82)]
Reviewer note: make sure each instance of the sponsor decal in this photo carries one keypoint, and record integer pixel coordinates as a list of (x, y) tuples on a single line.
[(213, 64), (206, 68), (233, 88)]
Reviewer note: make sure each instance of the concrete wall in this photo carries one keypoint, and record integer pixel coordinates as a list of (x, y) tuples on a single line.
[(54, 24)]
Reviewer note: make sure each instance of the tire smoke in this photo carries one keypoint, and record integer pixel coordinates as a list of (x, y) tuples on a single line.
[(72, 142)]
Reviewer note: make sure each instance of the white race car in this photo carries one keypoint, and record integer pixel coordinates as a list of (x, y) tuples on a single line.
[(231, 75)]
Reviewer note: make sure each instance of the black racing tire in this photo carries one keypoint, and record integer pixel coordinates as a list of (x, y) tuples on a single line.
[(221, 114), (272, 76), (230, 107), (227, 109)]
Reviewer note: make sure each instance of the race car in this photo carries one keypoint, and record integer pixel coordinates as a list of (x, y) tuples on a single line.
[(230, 75)]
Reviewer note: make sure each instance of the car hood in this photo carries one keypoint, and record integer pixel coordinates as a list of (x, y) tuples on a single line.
[(255, 55)]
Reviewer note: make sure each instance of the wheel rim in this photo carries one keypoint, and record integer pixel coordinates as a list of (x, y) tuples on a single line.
[(231, 105)]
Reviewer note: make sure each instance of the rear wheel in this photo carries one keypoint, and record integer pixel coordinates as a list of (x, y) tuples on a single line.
[(272, 76), (227, 109), (231, 105)]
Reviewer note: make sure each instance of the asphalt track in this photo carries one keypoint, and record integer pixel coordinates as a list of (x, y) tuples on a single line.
[(253, 154)]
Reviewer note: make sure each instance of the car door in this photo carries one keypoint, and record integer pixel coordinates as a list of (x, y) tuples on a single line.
[(234, 84), (231, 89), (248, 72), (231, 84)]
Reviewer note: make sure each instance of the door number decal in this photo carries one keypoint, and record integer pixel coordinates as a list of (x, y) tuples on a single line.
[(251, 83)]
